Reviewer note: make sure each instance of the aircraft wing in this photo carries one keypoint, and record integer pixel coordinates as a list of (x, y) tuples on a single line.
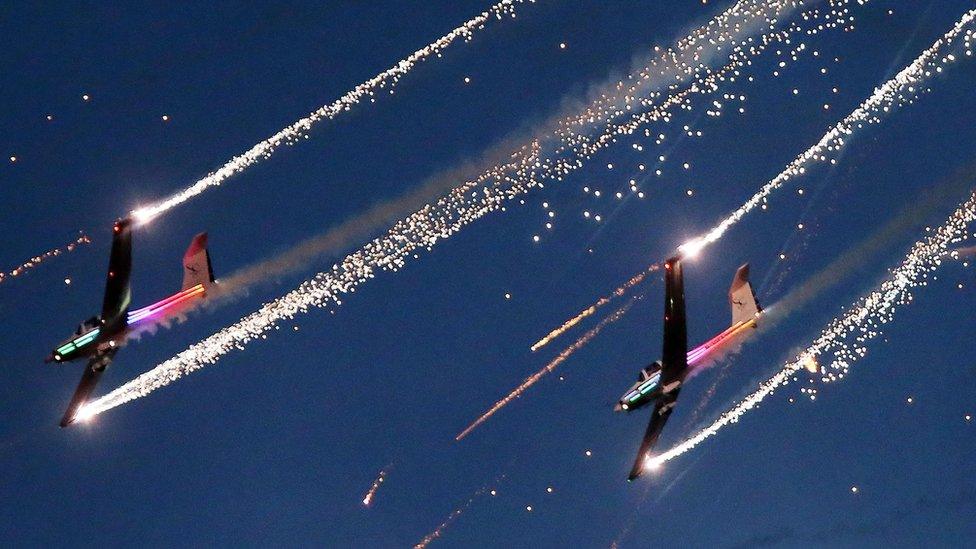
[(89, 379), (660, 415), (118, 294), (674, 355)]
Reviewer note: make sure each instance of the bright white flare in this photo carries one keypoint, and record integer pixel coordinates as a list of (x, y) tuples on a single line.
[(84, 413), (299, 130), (845, 337)]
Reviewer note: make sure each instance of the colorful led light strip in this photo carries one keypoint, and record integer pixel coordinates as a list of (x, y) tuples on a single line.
[(160, 306), (701, 351), (79, 341)]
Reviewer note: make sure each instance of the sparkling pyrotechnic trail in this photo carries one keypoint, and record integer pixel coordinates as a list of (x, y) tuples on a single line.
[(525, 169), (903, 88), (300, 129), (845, 338)]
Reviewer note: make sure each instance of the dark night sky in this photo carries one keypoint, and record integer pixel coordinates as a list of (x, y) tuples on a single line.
[(277, 444)]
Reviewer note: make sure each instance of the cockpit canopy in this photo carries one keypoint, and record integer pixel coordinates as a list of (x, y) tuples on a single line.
[(652, 369), (87, 325)]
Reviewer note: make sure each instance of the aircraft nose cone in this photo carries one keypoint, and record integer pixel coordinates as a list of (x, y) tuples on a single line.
[(617, 407)]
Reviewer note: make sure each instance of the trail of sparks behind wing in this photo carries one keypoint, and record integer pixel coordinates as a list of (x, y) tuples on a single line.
[(903, 88), (300, 129), (845, 337)]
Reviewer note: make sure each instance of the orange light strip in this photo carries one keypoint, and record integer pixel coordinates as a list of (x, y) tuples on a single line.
[(164, 304), (702, 350)]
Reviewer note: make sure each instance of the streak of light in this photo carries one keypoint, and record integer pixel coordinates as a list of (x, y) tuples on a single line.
[(368, 498), (903, 88), (442, 527), (526, 169), (38, 259), (300, 129), (552, 365), (635, 280), (845, 338)]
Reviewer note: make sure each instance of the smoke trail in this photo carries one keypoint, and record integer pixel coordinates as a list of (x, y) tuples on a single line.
[(864, 253), (364, 226), (368, 498), (904, 88), (845, 337), (527, 169), (853, 259), (969, 251), (681, 63), (298, 130), (38, 259), (635, 280), (439, 531), (552, 365)]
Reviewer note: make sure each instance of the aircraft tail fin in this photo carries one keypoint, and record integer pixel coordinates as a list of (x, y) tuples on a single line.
[(741, 297), (196, 263)]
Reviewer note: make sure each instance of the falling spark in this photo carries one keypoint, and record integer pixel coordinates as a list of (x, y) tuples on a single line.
[(635, 280), (902, 89), (38, 259), (862, 322), (439, 531), (526, 169), (552, 365), (368, 498), (299, 130)]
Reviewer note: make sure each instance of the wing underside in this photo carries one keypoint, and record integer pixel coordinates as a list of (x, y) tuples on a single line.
[(89, 379), (674, 354), (660, 415), (118, 294)]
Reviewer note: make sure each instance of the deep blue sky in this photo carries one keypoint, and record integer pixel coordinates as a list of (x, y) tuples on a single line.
[(278, 443)]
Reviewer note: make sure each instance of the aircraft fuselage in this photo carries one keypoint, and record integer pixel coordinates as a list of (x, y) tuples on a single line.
[(90, 339), (93, 337), (647, 389)]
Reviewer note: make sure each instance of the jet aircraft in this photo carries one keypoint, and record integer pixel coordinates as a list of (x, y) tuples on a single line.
[(661, 382), (100, 337)]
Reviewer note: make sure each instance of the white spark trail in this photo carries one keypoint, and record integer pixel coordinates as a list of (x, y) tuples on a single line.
[(525, 170), (903, 88), (300, 129), (845, 337)]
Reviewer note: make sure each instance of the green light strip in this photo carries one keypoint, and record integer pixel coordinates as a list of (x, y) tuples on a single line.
[(87, 338)]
